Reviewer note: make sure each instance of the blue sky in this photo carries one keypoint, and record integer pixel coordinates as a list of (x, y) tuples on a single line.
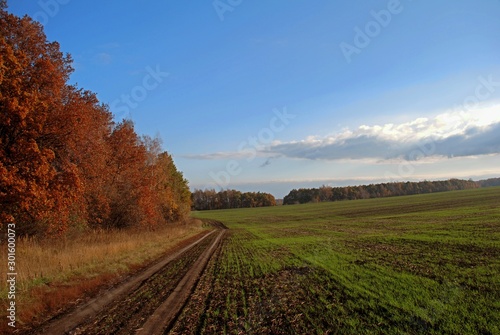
[(277, 95)]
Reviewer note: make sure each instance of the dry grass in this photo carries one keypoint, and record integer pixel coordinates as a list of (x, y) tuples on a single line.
[(54, 273)]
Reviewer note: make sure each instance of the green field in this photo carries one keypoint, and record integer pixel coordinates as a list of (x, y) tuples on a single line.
[(403, 265)]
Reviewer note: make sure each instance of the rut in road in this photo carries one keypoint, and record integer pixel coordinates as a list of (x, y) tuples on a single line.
[(164, 317), (126, 308), (129, 314)]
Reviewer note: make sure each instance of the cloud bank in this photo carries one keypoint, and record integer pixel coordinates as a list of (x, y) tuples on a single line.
[(453, 134)]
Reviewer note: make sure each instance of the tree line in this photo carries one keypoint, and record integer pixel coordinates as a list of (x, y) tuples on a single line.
[(328, 193), (63, 160), (489, 182), (226, 199)]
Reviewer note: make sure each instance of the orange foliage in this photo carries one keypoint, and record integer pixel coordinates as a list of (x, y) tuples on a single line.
[(62, 159), (36, 181)]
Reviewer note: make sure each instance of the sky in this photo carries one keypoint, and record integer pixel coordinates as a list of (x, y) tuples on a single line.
[(274, 95)]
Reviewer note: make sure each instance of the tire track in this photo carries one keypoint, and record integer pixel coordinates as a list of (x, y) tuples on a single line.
[(163, 319), (91, 311)]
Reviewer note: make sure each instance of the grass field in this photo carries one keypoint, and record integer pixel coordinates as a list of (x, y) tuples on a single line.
[(402, 265)]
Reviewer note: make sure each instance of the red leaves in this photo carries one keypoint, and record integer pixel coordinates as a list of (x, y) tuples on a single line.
[(62, 159)]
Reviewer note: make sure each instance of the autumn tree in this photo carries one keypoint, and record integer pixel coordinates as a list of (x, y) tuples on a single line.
[(173, 188), (63, 161), (38, 182), (86, 134), (124, 164)]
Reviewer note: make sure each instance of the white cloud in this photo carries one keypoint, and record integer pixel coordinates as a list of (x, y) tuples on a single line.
[(449, 134)]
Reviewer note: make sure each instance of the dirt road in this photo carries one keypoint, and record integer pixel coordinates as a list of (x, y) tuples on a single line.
[(148, 303)]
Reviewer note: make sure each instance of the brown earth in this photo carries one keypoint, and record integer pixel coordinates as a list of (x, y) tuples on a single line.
[(146, 303)]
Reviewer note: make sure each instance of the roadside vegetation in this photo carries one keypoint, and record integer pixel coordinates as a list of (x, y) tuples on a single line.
[(402, 265), (55, 274), (83, 197)]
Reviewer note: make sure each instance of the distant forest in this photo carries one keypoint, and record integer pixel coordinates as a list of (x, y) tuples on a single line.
[(489, 182), (227, 199), (328, 193), (210, 199)]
